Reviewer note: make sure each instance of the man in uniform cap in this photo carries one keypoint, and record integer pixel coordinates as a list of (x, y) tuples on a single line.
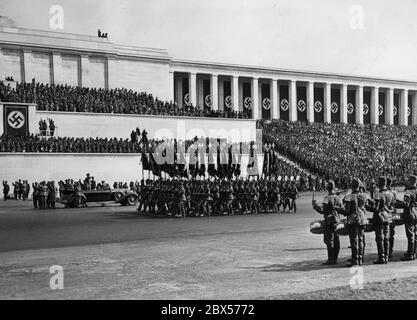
[(392, 225), (356, 220), (410, 218), (381, 219), (331, 203)]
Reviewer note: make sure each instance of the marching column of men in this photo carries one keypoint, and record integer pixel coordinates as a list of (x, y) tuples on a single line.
[(382, 203), (219, 196)]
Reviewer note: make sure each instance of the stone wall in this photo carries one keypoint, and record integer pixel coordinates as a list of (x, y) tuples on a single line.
[(108, 167)]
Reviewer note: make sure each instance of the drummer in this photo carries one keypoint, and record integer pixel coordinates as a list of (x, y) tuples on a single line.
[(329, 208)]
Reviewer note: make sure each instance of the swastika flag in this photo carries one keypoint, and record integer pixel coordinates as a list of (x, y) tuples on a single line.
[(15, 118)]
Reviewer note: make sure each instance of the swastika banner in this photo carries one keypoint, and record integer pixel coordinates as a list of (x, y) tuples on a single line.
[(16, 122)]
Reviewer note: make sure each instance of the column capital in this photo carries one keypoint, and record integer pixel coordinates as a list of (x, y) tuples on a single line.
[(27, 50), (255, 78), (360, 86), (214, 75)]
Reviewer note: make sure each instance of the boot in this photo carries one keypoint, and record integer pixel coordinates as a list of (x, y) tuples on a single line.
[(406, 257), (381, 260)]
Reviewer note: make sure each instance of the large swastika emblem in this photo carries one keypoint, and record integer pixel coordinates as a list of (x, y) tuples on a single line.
[(302, 105), (248, 102), (187, 100), (16, 119), (266, 103), (228, 101), (284, 104), (207, 100), (350, 108)]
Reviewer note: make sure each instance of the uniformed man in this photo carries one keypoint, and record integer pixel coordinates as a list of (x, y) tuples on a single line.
[(392, 225), (6, 189), (229, 199), (44, 195), (35, 195), (382, 217), (254, 196), (275, 197), (410, 218), (51, 195), (293, 195), (181, 200), (330, 207), (354, 209)]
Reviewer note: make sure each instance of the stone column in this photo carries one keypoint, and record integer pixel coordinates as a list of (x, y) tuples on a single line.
[(414, 107), (343, 103), (214, 89), (193, 88), (359, 105), (255, 98), (112, 71), (389, 112), (85, 71), (403, 108), (26, 66), (241, 95), (56, 68), (171, 92), (292, 94), (374, 105), (310, 101), (327, 103), (235, 93), (274, 98)]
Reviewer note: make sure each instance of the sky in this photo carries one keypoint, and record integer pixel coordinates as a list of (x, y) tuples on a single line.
[(376, 38)]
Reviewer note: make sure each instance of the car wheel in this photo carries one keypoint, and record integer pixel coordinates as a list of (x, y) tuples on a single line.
[(132, 200), (118, 196)]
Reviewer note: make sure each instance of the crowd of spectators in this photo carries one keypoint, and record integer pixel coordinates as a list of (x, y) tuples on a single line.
[(67, 98), (343, 151), (34, 143)]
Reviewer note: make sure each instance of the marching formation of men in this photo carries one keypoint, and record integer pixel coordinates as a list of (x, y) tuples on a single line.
[(218, 196), (382, 203)]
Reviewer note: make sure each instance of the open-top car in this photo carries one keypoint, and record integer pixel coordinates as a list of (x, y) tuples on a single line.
[(76, 199)]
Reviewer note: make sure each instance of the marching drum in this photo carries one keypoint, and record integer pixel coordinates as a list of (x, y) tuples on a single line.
[(317, 227), (397, 219), (369, 227), (341, 228)]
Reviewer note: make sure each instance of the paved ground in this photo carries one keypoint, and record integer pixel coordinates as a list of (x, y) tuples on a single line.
[(110, 253)]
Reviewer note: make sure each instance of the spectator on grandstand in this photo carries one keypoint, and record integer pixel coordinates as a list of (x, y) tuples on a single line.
[(51, 127), (42, 127), (344, 151), (67, 98)]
